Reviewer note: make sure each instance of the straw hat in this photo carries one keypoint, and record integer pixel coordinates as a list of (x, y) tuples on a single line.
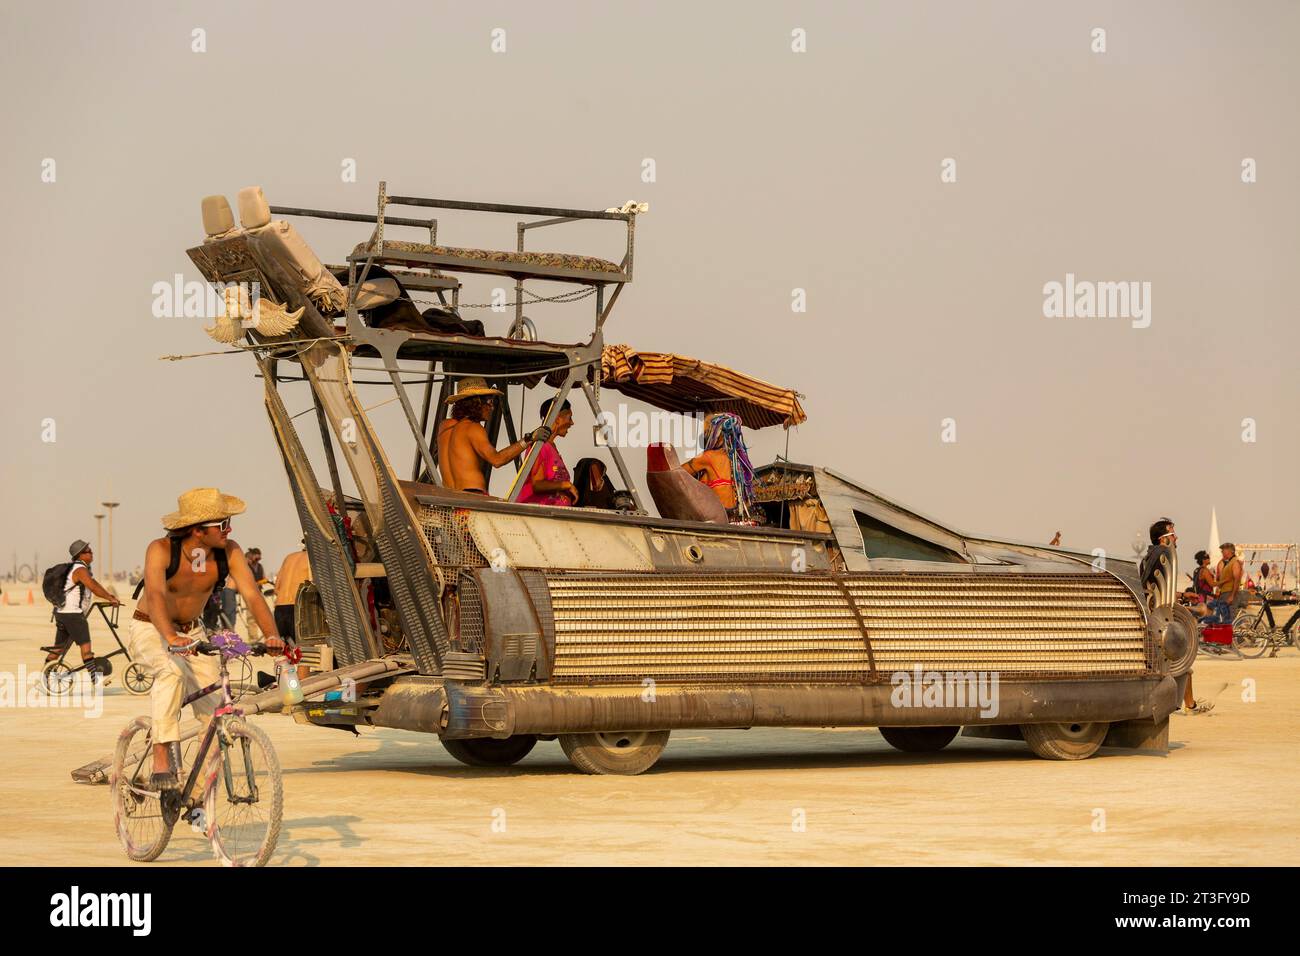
[(470, 388), (200, 505)]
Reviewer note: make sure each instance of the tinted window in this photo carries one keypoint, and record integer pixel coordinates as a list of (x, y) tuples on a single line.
[(885, 541)]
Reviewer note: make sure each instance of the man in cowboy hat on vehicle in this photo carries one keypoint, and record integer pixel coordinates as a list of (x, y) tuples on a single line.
[(180, 572), (463, 445)]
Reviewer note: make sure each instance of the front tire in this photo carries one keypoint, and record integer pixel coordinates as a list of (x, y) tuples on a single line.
[(1065, 741), (919, 740), (244, 798), (491, 752), (624, 752)]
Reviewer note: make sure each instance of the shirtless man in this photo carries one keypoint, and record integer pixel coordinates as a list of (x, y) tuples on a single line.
[(170, 610), (463, 444)]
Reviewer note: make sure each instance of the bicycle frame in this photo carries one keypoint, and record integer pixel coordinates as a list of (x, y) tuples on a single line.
[(111, 621), (227, 709)]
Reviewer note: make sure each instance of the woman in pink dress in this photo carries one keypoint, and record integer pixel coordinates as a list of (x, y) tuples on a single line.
[(549, 483)]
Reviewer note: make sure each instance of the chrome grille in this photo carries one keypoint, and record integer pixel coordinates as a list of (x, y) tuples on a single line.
[(715, 627)]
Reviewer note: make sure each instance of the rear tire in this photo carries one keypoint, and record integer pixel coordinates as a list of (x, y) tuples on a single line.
[(243, 820), (919, 740), (1249, 642), (137, 680), (491, 752), (1065, 741), (625, 752), (143, 825)]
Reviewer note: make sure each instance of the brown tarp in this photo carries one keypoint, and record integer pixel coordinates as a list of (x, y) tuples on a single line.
[(678, 383)]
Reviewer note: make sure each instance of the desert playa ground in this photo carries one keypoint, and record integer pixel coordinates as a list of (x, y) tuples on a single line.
[(1224, 795)]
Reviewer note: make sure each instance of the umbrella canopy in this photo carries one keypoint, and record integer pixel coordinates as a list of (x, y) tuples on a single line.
[(677, 383)]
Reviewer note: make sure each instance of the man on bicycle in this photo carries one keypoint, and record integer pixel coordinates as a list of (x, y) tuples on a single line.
[(180, 572), (79, 591)]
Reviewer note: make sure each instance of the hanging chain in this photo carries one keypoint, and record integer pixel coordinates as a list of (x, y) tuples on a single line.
[(575, 296)]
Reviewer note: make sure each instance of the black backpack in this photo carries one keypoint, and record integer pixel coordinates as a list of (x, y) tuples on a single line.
[(54, 582), (173, 565)]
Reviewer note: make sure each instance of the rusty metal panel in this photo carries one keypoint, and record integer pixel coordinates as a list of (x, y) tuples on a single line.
[(526, 541), (744, 552), (507, 622)]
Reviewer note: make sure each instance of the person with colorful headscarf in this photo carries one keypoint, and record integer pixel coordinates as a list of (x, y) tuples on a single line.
[(724, 465)]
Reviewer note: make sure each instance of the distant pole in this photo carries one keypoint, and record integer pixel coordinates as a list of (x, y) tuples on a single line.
[(99, 534), (110, 505)]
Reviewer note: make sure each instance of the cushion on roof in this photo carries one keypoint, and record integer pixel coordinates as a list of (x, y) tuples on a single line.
[(393, 249)]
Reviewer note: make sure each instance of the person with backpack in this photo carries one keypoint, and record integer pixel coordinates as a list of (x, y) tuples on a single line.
[(181, 570), (71, 589)]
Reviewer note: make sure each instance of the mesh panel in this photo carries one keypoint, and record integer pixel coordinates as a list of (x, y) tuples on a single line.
[(447, 530), (470, 638), (409, 581), (540, 593), (350, 638)]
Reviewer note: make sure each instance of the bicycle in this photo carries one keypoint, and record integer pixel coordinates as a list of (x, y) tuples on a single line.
[(1251, 636), (57, 677), (240, 778)]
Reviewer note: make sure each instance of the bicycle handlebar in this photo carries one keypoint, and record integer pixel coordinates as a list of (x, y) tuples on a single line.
[(207, 647)]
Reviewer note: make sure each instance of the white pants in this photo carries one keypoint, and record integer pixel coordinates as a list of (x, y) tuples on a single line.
[(174, 677)]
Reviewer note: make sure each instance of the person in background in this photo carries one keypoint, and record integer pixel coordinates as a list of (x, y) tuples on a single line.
[(1232, 594), (254, 556), (222, 610), (548, 483), (1203, 581), (293, 572), (595, 490), (79, 591), (1164, 541)]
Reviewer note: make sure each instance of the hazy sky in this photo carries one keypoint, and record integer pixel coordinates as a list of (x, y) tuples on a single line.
[(775, 170)]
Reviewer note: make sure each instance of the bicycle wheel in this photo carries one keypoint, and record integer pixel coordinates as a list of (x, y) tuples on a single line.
[(56, 678), (137, 679), (244, 798), (1249, 639), (143, 825)]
